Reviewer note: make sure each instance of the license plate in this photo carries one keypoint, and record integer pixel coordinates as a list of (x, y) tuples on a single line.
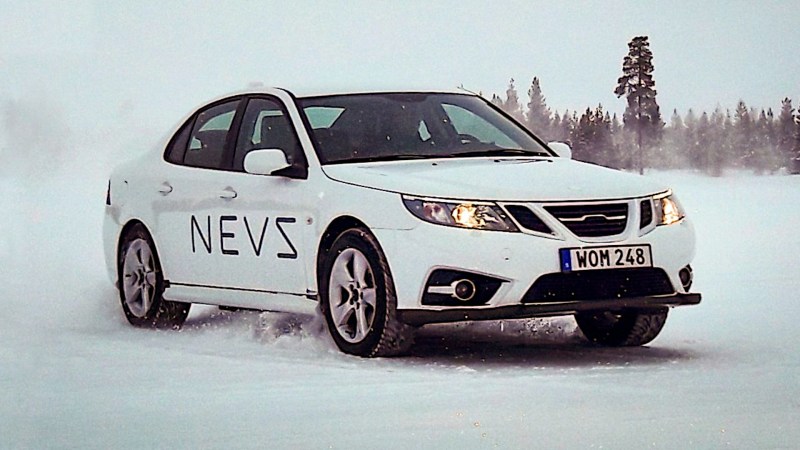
[(595, 258)]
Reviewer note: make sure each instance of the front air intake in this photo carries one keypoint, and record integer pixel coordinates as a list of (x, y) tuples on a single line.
[(599, 285)]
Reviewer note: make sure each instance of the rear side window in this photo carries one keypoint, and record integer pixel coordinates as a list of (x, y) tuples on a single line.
[(206, 143), (178, 144)]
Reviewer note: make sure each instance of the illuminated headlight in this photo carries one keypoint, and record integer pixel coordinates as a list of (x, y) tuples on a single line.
[(668, 208), (462, 214)]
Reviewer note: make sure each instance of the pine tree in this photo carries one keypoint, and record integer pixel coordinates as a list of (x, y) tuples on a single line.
[(603, 139), (582, 137), (567, 128), (594, 142), (511, 105), (795, 161), (692, 152), (538, 117), (703, 140), (765, 149), (618, 142), (496, 100), (642, 114), (743, 135), (727, 140), (555, 128), (674, 142), (785, 133)]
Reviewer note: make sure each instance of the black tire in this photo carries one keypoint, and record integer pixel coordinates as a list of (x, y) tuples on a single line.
[(621, 329), (347, 301), (141, 284)]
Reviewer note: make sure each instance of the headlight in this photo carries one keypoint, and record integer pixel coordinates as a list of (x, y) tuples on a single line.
[(462, 214), (668, 208)]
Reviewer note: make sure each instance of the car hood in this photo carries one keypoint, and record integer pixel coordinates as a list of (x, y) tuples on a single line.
[(502, 179)]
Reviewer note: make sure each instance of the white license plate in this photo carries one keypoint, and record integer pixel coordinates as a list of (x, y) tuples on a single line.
[(595, 258)]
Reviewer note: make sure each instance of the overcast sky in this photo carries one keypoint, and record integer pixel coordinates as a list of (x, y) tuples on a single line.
[(152, 61)]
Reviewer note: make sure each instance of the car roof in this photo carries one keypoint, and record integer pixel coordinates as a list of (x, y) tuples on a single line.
[(307, 92)]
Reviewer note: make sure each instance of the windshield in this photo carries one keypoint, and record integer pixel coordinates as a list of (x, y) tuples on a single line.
[(379, 127)]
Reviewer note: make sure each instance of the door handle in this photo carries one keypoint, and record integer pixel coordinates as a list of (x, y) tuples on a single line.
[(165, 188), (228, 193)]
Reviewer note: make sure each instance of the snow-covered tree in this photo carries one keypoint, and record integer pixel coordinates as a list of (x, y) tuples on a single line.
[(511, 104), (497, 100)]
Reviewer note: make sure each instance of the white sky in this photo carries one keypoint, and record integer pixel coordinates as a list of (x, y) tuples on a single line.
[(151, 61)]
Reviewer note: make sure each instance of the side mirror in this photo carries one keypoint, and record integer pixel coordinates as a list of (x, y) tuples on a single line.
[(561, 149), (265, 161)]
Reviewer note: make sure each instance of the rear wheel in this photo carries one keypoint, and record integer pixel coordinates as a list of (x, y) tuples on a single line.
[(621, 329), (358, 298), (141, 284)]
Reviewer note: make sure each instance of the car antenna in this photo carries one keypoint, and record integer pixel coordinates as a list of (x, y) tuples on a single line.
[(462, 88)]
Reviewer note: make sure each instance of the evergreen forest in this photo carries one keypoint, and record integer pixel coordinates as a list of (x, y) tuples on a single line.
[(763, 141)]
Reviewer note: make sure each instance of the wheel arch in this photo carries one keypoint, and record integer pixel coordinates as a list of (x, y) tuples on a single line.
[(336, 227), (123, 232)]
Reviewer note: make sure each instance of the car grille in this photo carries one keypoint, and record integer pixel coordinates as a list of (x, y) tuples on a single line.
[(599, 285), (592, 220), (528, 219)]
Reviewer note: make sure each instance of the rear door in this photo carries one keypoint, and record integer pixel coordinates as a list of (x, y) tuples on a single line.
[(192, 195)]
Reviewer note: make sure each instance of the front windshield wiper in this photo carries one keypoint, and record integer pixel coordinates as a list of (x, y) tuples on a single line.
[(380, 158), (497, 152)]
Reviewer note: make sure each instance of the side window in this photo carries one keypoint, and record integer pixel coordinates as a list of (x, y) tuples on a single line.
[(207, 140), (471, 126), (266, 125), (177, 146)]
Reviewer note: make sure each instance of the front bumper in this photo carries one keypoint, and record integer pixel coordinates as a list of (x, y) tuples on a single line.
[(425, 316), (518, 260)]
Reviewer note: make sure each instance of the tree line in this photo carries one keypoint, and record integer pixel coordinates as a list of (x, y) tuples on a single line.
[(744, 138)]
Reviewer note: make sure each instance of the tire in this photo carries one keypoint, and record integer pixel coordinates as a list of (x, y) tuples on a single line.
[(358, 299), (141, 284), (621, 329)]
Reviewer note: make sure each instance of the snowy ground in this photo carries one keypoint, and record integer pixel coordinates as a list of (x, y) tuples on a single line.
[(74, 374)]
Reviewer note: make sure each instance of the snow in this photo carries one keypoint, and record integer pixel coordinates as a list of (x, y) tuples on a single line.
[(74, 374)]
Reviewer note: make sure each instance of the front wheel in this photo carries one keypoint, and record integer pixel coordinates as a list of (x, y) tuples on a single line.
[(621, 329), (141, 284), (358, 298)]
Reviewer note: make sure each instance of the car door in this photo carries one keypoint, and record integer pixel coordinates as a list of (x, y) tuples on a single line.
[(268, 223), (193, 192)]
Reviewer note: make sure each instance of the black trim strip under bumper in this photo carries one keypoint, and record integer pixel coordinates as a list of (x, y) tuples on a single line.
[(549, 309)]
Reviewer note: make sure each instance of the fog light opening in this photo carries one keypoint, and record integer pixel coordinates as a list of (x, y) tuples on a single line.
[(447, 287), (686, 277), (464, 290)]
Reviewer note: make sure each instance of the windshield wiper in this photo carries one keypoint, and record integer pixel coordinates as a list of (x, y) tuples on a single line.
[(380, 158), (497, 152)]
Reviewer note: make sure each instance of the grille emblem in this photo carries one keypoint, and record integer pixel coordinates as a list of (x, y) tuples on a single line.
[(589, 216)]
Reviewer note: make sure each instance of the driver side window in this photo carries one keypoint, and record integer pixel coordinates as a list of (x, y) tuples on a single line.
[(266, 125)]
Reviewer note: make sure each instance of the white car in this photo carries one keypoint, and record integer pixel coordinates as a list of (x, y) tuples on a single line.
[(390, 210)]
